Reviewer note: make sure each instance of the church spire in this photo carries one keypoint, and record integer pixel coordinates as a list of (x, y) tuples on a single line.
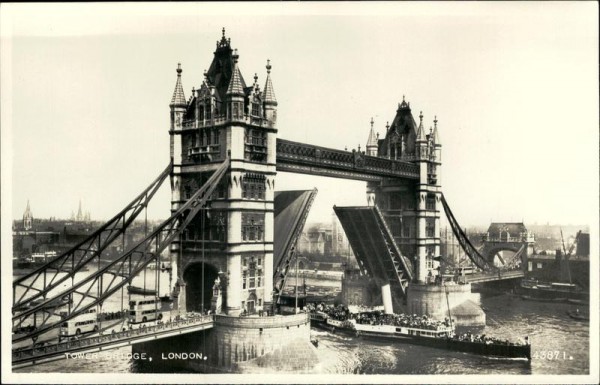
[(178, 99), (269, 93), (27, 218), (79, 213)]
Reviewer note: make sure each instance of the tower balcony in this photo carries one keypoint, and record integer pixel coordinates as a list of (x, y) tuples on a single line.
[(222, 119), (431, 178), (208, 153)]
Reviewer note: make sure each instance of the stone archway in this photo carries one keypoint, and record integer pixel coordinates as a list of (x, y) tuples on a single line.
[(501, 255), (251, 304), (195, 290)]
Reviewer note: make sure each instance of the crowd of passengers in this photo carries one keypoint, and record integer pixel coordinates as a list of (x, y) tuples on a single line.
[(342, 313), (483, 339)]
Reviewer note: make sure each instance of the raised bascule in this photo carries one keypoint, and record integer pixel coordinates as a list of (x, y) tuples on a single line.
[(231, 237)]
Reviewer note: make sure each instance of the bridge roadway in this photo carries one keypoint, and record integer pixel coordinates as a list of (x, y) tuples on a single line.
[(98, 342), (494, 276)]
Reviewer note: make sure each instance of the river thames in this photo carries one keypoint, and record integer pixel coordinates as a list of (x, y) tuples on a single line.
[(560, 345)]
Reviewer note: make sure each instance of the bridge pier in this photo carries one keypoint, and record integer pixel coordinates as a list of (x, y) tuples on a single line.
[(239, 345), (442, 301)]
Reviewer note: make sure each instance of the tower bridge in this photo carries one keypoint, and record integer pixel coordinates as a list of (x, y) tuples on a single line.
[(231, 237)]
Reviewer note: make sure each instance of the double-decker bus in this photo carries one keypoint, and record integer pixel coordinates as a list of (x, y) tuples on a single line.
[(145, 310), (86, 322)]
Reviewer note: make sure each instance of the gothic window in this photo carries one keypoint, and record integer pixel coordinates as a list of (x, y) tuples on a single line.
[(252, 275), (193, 140), (430, 256), (430, 202), (255, 149), (207, 112), (253, 226), (216, 137), (430, 227), (256, 110), (187, 192), (253, 186)]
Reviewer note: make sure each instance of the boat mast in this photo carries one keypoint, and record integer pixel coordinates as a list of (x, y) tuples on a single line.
[(296, 291)]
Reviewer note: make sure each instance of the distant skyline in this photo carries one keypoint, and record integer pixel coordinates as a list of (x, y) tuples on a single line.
[(85, 97)]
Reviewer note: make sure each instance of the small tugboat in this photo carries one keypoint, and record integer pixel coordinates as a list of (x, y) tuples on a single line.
[(415, 330)]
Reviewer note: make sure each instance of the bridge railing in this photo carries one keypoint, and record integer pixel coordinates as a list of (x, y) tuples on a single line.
[(66, 346)]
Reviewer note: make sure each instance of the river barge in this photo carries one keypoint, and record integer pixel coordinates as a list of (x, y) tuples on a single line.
[(532, 289)]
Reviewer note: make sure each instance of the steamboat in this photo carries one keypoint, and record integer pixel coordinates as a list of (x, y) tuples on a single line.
[(436, 334)]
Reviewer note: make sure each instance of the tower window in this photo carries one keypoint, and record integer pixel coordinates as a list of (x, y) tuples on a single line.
[(430, 202), (253, 226), (207, 111), (252, 277), (256, 110), (253, 186), (430, 227)]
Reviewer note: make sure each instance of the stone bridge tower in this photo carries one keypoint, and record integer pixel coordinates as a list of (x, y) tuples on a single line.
[(231, 242), (513, 237), (411, 208)]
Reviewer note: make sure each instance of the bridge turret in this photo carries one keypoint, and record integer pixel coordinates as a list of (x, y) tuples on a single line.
[(235, 92), (270, 102), (178, 105), (372, 142), (256, 108), (421, 140)]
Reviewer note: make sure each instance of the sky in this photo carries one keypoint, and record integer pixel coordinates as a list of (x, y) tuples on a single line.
[(86, 91)]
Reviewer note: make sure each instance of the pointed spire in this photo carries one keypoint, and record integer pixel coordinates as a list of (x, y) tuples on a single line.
[(436, 135), (387, 127), (420, 130), (269, 94), (27, 209), (403, 104), (224, 41), (256, 86), (178, 99), (235, 84), (372, 141)]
